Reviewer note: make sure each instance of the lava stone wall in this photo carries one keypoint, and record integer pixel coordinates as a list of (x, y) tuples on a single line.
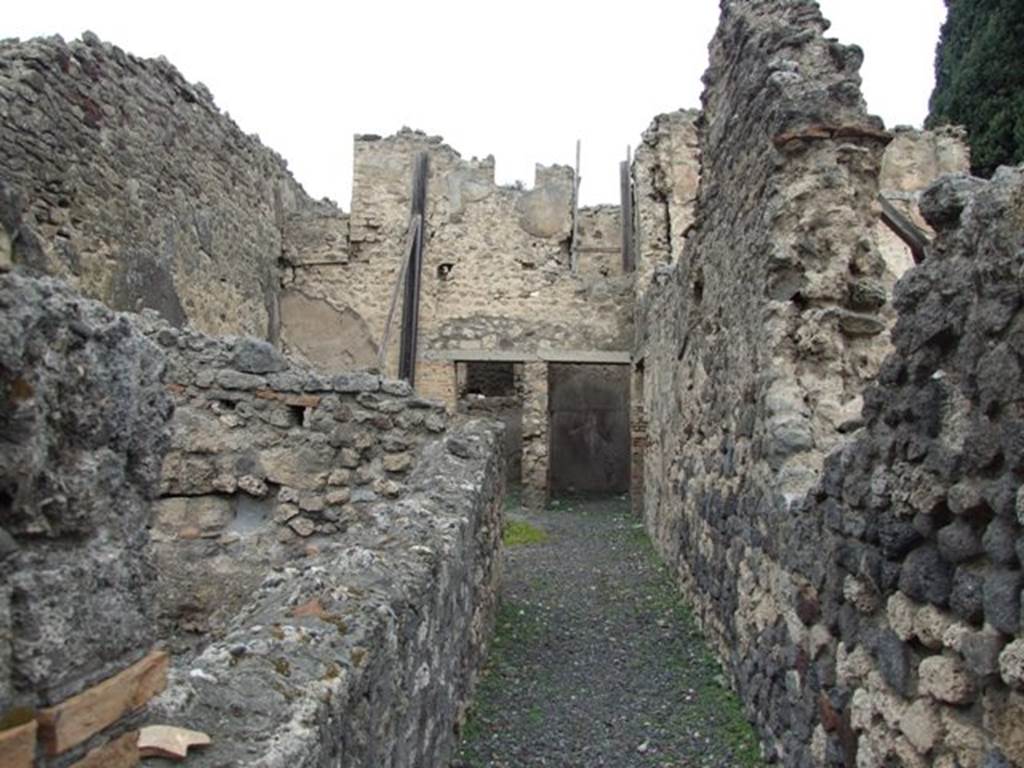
[(143, 194), (83, 416), (852, 550), (758, 342), (922, 512)]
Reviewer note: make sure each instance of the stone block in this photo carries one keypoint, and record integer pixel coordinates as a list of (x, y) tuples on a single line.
[(894, 661), (930, 625), (900, 611), (921, 725), (1000, 542), (981, 650), (350, 383), (958, 542), (397, 462), (945, 678), (1001, 598), (252, 355), (1011, 664), (926, 577), (231, 379), (967, 597)]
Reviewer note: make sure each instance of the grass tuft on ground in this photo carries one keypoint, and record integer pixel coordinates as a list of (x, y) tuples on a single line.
[(518, 533)]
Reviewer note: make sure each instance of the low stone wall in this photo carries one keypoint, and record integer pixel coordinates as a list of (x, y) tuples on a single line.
[(267, 460), (365, 653), (83, 415), (322, 561)]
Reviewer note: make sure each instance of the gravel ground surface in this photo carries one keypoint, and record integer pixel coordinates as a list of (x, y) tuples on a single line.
[(595, 662)]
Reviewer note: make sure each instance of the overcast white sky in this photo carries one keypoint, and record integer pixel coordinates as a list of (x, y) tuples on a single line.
[(520, 80)]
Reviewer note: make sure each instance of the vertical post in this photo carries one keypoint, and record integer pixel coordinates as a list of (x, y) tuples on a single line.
[(411, 302), (573, 244), (535, 435), (626, 189)]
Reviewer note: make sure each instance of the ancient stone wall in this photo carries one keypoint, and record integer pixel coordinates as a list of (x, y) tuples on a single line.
[(922, 513), (496, 272), (322, 561), (758, 342), (867, 607), (83, 414), (365, 652), (141, 192), (666, 173), (267, 460)]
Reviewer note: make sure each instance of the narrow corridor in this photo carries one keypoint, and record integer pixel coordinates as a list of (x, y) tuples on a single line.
[(595, 662)]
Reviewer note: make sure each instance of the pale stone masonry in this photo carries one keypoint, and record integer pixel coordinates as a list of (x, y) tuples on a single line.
[(319, 542), (498, 279)]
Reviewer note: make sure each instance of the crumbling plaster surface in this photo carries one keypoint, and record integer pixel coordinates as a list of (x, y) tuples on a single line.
[(143, 194)]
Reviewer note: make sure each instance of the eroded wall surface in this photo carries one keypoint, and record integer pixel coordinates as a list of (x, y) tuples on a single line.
[(319, 553), (496, 271), (865, 596), (328, 556), (143, 194), (666, 174), (267, 460), (83, 414), (366, 653), (758, 343)]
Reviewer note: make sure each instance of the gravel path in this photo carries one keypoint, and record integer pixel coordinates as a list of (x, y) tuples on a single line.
[(595, 663)]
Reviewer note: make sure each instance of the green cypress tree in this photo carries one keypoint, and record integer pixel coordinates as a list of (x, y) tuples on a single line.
[(979, 79)]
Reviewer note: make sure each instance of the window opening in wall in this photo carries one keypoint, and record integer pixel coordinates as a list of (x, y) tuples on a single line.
[(495, 389)]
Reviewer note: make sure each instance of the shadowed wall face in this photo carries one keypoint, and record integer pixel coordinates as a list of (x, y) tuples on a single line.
[(589, 427)]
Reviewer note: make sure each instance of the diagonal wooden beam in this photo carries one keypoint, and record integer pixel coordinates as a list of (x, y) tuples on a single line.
[(916, 239)]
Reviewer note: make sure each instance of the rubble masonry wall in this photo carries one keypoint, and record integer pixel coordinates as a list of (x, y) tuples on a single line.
[(142, 193)]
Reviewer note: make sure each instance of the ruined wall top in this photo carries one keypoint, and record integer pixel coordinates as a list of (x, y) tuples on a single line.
[(142, 193)]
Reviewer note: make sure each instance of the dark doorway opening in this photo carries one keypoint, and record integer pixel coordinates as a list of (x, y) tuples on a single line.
[(590, 437), (495, 390)]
